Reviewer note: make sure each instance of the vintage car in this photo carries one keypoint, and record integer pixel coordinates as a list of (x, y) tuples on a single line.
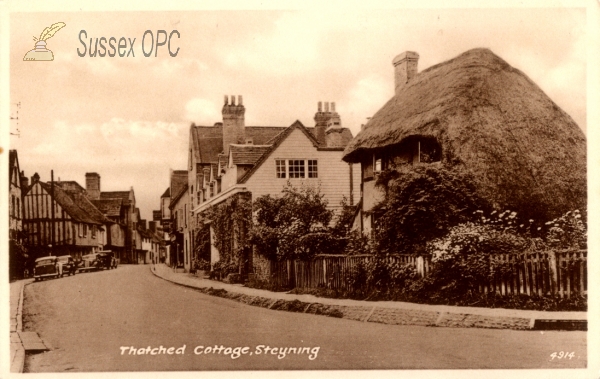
[(46, 267), (90, 262), (108, 259), (66, 265)]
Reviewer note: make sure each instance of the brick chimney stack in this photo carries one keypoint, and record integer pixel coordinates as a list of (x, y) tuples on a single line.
[(92, 185), (24, 180), (324, 120), (233, 122), (405, 68)]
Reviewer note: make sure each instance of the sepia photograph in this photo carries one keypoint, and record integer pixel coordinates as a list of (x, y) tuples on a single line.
[(299, 189)]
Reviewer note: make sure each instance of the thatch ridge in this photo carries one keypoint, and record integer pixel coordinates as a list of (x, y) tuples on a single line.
[(494, 121)]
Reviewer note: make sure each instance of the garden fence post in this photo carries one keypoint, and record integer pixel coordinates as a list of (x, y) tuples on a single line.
[(553, 271), (420, 266)]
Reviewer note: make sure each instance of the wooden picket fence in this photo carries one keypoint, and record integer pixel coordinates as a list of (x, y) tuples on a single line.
[(543, 273)]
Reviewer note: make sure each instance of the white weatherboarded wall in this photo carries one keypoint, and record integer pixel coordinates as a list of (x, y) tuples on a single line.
[(333, 173)]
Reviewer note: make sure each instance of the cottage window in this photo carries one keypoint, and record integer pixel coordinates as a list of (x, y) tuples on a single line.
[(85, 230), (378, 165), (212, 189), (296, 168), (280, 168), (312, 168), (93, 231)]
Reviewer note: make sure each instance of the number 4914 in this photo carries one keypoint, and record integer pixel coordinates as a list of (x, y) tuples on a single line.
[(562, 355)]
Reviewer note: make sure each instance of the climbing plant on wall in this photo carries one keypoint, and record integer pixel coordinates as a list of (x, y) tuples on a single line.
[(229, 221)]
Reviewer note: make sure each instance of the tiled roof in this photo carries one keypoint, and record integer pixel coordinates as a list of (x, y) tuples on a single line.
[(262, 134), (69, 205), (178, 196), (179, 178), (276, 142), (70, 185), (338, 137), (110, 207), (207, 141), (84, 203), (247, 154), (123, 195)]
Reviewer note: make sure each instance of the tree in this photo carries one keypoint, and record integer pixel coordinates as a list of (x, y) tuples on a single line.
[(292, 226), (421, 203)]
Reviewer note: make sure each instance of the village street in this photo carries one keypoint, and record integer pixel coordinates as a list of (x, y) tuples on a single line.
[(91, 321)]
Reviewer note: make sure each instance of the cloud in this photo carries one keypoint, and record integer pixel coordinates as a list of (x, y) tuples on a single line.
[(365, 98), (202, 111)]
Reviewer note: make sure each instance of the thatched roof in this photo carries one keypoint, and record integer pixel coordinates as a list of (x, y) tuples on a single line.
[(494, 121)]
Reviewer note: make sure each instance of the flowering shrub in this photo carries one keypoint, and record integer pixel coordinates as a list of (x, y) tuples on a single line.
[(467, 256), (293, 226), (567, 232)]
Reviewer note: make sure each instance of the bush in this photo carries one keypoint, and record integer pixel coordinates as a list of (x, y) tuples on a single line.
[(293, 226), (422, 204), (567, 232)]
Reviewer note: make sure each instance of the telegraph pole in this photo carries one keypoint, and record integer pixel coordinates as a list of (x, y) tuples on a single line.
[(52, 208)]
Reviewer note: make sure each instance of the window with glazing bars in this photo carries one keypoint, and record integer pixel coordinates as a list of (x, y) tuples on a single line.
[(312, 168), (280, 168), (296, 168)]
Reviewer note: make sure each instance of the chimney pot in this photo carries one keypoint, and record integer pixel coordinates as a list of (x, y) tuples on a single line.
[(225, 100), (327, 106), (320, 107), (232, 100), (333, 106), (405, 68), (240, 102)]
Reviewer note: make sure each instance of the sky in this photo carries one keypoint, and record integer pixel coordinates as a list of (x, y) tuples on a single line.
[(128, 118)]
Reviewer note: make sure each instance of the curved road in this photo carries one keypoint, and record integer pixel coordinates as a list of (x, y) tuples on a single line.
[(92, 321)]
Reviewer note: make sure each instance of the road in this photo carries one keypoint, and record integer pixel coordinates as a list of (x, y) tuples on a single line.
[(95, 321)]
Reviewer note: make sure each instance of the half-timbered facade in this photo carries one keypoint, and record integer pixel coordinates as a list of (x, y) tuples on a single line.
[(57, 223)]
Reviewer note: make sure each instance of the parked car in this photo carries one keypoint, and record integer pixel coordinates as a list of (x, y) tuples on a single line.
[(90, 262), (46, 267), (108, 259), (66, 265)]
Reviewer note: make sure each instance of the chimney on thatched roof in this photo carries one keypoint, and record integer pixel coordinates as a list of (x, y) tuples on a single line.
[(406, 67), (524, 152)]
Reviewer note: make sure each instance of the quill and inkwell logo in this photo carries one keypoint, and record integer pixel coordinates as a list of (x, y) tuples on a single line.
[(41, 53)]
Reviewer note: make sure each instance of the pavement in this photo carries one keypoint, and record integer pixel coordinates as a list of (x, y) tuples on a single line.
[(20, 341), (386, 312)]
